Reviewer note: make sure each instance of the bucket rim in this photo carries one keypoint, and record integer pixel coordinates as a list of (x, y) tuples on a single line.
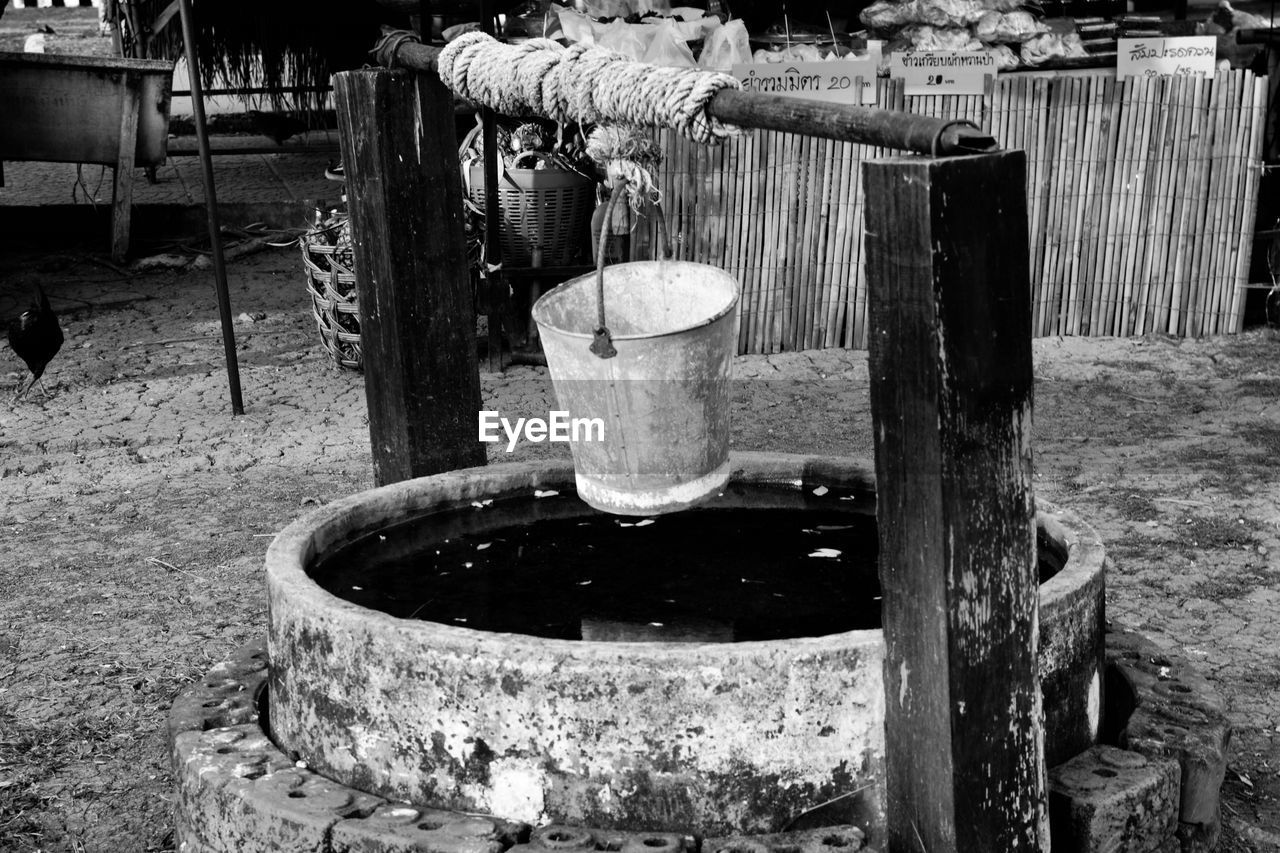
[(539, 309)]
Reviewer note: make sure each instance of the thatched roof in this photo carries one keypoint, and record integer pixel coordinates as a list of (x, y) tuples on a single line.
[(275, 43)]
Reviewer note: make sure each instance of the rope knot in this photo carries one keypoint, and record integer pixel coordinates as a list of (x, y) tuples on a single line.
[(628, 156)]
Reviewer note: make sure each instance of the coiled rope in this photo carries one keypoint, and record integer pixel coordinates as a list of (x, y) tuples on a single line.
[(587, 85)]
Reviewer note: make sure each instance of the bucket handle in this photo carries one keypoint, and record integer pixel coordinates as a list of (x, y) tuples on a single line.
[(601, 340)]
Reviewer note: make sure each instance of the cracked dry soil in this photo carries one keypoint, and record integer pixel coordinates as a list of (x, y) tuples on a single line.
[(135, 512)]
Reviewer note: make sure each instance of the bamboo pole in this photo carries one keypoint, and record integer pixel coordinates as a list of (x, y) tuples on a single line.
[(1044, 126), (1219, 198), (1152, 208), (1079, 198), (1199, 223), (995, 111), (1072, 204), (848, 233), (1185, 234), (751, 244), (689, 152), (1046, 149), (1100, 174), (1145, 88), (1175, 170), (759, 183), (797, 242), (1064, 178), (1060, 91), (1228, 105), (821, 218), (841, 274), (1158, 220), (1122, 175), (737, 180), (1252, 178), (769, 239), (1094, 199), (1203, 207), (1234, 198), (787, 219), (769, 255), (823, 272)]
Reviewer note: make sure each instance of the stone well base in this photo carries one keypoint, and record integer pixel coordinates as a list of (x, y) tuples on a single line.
[(1153, 786)]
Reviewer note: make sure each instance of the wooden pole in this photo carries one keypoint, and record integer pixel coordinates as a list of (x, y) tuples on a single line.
[(211, 208), (900, 130), (494, 280), (122, 177), (950, 361), (417, 329)]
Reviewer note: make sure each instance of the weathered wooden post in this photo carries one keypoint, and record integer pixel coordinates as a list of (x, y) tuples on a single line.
[(417, 325), (950, 360)]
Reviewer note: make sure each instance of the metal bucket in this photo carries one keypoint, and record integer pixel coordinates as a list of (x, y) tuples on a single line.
[(663, 399)]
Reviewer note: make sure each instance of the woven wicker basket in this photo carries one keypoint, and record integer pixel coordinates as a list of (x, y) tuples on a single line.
[(332, 287), (548, 208)]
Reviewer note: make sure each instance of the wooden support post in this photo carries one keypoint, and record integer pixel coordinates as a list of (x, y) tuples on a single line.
[(417, 321), (950, 361), (495, 280), (212, 215), (122, 178)]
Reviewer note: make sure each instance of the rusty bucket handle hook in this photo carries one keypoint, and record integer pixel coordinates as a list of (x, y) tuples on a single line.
[(601, 338)]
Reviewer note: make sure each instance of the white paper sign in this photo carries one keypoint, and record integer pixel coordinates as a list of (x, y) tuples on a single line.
[(1149, 57), (831, 81), (943, 72)]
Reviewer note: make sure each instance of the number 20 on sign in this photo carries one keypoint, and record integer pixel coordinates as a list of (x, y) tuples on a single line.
[(942, 72)]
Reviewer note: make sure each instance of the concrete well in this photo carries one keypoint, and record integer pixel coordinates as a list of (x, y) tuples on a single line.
[(721, 738)]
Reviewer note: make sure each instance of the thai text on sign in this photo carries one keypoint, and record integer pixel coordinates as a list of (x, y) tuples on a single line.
[(833, 81), (943, 72), (1149, 57)]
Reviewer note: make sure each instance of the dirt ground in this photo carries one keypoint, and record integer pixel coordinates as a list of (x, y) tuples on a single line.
[(135, 512)]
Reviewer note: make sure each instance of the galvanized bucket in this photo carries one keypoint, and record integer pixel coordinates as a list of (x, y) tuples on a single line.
[(661, 441)]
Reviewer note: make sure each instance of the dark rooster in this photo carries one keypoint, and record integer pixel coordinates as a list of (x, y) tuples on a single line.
[(36, 337)]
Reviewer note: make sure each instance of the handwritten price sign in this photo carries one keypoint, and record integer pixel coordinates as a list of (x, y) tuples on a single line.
[(1150, 57), (832, 81), (941, 72)]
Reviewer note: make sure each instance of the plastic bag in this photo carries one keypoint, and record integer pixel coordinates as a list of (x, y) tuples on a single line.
[(726, 47), (631, 40), (576, 26), (694, 30), (669, 48)]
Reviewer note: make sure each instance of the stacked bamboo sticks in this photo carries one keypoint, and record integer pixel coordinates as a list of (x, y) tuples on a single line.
[(1141, 198)]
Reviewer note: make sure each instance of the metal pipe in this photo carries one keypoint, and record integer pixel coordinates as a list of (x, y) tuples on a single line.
[(842, 122), (211, 205)]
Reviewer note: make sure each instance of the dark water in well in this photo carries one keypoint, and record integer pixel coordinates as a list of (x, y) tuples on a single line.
[(758, 563)]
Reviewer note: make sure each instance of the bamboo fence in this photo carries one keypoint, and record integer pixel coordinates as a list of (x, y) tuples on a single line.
[(1141, 196)]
